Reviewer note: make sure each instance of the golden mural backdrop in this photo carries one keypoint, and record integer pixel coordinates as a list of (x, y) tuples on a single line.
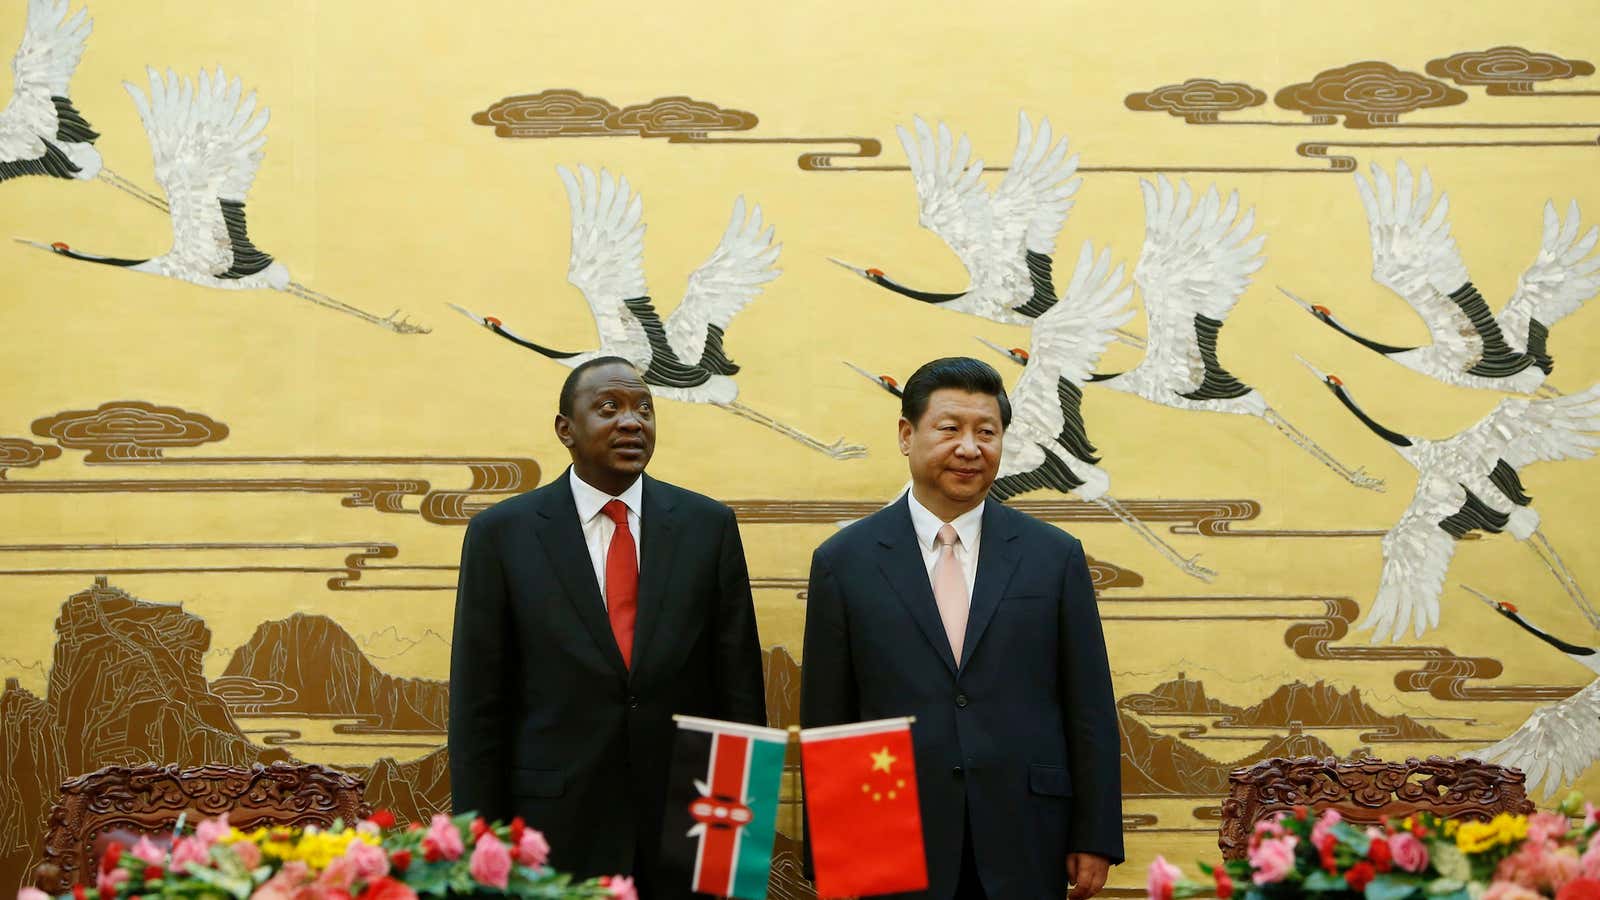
[(234, 497)]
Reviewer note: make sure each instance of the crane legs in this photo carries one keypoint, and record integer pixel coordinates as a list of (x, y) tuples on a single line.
[(1542, 548), (399, 325), (836, 450), (1187, 564), (133, 190), (1357, 477)]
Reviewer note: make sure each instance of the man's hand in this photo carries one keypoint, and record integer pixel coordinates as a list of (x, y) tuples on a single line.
[(1086, 872)]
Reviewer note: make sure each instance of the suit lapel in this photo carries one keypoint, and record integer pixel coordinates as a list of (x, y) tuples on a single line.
[(561, 536), (902, 564), (997, 559), (660, 537)]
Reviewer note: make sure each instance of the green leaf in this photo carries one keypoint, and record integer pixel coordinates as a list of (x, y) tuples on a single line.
[(1449, 861), (1354, 838), (1391, 886), (1320, 880), (1205, 868), (1441, 886)]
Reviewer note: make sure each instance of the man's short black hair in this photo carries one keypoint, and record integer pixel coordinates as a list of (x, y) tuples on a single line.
[(569, 388), (962, 373)]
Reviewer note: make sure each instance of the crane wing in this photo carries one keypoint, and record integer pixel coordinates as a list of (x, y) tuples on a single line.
[(1562, 278), (607, 259), (1557, 743), (1195, 264), (1067, 342), (52, 44), (207, 142), (1416, 556), (1030, 206), (724, 284), (1522, 431), (955, 205)]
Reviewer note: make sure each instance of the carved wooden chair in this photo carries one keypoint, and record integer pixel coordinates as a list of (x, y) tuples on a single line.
[(123, 802), (1367, 791)]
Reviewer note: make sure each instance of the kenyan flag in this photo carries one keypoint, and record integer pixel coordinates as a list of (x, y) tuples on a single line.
[(722, 806)]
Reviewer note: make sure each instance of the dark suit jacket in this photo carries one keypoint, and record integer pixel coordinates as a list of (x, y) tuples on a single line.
[(546, 722), (1021, 735)]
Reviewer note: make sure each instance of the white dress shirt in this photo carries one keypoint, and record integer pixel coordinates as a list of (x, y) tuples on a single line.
[(969, 530), (598, 527)]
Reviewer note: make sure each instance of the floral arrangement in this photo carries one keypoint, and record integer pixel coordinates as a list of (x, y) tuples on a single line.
[(1421, 857), (370, 860)]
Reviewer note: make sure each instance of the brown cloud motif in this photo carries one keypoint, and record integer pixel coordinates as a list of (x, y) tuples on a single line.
[(1368, 94), (129, 430), (1507, 70), (559, 112), (1198, 100), (668, 116), (21, 453)]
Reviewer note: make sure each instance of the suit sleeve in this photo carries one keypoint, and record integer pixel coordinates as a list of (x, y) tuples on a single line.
[(1093, 737), (482, 675), (742, 695)]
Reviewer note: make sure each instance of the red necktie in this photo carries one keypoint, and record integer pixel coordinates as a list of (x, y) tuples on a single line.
[(622, 580)]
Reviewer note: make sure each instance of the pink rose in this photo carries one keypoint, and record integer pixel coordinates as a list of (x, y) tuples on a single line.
[(288, 884), (533, 849), (369, 862), (338, 876), (32, 893), (106, 882), (148, 852), (212, 830), (1509, 890), (443, 840), (1591, 814), (621, 887), (1409, 853), (1273, 860), (187, 851), (249, 854), (491, 862), (1323, 829), (1589, 863), (1543, 826), (1160, 878)]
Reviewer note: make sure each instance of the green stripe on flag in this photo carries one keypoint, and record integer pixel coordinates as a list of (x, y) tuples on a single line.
[(762, 785)]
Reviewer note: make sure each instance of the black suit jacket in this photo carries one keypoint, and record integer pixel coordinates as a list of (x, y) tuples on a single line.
[(546, 722), (1020, 735)]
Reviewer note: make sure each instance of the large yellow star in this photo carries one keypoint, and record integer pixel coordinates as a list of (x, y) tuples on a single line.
[(883, 759)]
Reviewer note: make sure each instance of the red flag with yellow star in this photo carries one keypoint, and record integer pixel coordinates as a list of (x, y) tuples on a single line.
[(861, 802)]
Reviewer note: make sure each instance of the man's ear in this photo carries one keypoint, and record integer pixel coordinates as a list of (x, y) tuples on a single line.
[(906, 428), (564, 432)]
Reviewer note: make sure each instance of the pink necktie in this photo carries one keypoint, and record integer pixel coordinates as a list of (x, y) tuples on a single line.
[(950, 590)]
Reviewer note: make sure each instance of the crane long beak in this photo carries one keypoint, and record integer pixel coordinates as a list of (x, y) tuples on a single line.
[(468, 313), (1481, 596), (858, 271), (45, 247), (1321, 375), (996, 348), (1301, 303), (862, 372)]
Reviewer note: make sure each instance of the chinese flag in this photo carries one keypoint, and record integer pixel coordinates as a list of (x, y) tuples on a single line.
[(861, 801)]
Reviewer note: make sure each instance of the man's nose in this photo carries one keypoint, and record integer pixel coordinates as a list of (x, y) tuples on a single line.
[(630, 421), (968, 445)]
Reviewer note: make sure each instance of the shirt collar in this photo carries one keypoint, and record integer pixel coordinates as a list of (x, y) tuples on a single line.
[(590, 499), (968, 525)]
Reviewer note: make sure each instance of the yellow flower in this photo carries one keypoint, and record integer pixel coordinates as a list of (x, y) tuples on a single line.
[(1478, 837)]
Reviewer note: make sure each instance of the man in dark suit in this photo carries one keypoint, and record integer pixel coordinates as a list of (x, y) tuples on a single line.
[(575, 642), (980, 621)]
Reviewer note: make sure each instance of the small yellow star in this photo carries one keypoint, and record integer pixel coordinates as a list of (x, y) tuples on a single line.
[(883, 759), (900, 783), (876, 797), (891, 795), (865, 787)]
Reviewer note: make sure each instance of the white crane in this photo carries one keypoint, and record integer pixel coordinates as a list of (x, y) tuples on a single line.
[(1467, 483), (1005, 239), (1561, 740), (207, 147), (681, 358), (41, 132), (1047, 446), (1193, 268), (1414, 255)]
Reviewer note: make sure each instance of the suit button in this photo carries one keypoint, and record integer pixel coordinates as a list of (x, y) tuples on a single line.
[(633, 702), (961, 700), (957, 772)]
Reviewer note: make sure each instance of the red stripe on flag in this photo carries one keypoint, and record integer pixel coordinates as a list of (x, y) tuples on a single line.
[(714, 874)]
